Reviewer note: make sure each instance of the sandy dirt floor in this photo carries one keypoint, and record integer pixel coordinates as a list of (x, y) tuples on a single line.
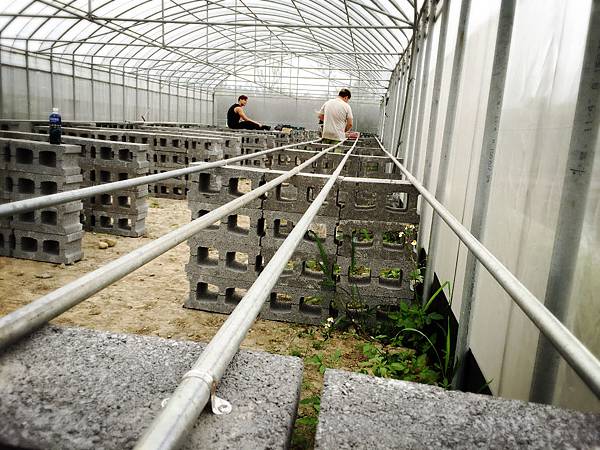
[(149, 301)]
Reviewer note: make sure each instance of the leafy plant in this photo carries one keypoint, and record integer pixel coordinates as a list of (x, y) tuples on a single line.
[(392, 273), (399, 363), (393, 237), (362, 235)]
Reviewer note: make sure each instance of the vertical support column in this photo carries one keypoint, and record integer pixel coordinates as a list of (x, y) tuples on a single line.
[(213, 108), (435, 103), (74, 89), (1, 89), (137, 93), (52, 99), (124, 97), (415, 146), (93, 97), (27, 88), (573, 204), (399, 95), (109, 92), (484, 176), (448, 134), (186, 102), (160, 98), (415, 94)]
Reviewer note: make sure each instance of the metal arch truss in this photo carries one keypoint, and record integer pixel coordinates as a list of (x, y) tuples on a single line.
[(277, 46)]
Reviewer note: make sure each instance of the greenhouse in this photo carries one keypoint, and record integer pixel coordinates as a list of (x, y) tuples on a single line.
[(299, 224)]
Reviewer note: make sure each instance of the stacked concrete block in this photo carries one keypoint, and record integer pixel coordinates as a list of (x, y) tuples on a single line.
[(307, 300), (381, 265), (121, 212), (225, 258), (32, 169)]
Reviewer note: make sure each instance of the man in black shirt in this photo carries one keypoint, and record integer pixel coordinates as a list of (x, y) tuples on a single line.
[(236, 112)]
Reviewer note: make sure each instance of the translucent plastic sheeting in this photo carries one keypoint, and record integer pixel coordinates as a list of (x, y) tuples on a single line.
[(534, 135), (584, 314), (535, 131)]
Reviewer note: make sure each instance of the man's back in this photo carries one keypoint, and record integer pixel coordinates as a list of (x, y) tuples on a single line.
[(336, 112)]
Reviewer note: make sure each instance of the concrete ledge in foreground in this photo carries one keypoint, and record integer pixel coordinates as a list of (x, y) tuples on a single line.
[(364, 412), (72, 388)]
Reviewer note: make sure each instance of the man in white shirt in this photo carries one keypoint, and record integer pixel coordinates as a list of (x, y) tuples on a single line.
[(336, 115)]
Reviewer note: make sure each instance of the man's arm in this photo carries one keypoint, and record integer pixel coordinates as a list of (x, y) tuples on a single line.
[(243, 115), (348, 124)]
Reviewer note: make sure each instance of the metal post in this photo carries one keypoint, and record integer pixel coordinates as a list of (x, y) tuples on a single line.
[(415, 147), (575, 353), (124, 97), (93, 97), (74, 89), (27, 88), (484, 176), (172, 424), (30, 204), (435, 103), (448, 133), (160, 98), (109, 92), (414, 101), (573, 206), (30, 317)]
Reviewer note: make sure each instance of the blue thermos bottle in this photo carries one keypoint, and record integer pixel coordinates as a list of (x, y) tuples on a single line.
[(55, 130)]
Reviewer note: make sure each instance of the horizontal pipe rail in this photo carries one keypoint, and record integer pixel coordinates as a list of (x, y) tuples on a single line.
[(174, 422), (30, 204), (573, 351), (32, 316)]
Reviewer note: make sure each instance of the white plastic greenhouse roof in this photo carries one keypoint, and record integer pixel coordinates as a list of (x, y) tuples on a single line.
[(276, 45)]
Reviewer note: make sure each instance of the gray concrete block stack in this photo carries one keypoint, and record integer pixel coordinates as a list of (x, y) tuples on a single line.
[(383, 259), (300, 295), (383, 254), (121, 212), (32, 169), (225, 258)]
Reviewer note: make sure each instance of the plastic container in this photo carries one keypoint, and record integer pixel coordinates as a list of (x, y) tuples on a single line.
[(55, 130)]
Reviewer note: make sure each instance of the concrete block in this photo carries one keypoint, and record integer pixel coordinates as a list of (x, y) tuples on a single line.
[(22, 185), (302, 269), (7, 241), (285, 304), (388, 200), (375, 284), (82, 389), (385, 243), (41, 157), (298, 192), (130, 225), (53, 248), (393, 414), (119, 202), (223, 260), (224, 184), (59, 219), (279, 224)]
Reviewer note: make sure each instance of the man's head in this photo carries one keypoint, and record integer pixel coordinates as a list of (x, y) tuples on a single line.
[(243, 99), (345, 94)]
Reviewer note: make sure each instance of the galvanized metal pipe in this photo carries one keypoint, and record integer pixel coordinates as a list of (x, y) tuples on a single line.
[(575, 353), (30, 317), (31, 204), (173, 423)]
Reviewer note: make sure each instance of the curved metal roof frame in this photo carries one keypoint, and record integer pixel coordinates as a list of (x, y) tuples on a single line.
[(203, 43)]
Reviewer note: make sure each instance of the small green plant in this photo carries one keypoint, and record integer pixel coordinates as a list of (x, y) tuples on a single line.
[(362, 235), (314, 300), (393, 237), (313, 265), (359, 271), (322, 362), (398, 363), (393, 273), (314, 404)]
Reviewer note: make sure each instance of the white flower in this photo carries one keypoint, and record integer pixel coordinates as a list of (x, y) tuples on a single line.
[(330, 320), (413, 243)]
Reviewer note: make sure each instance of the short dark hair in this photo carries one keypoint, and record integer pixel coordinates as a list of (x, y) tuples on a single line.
[(345, 93), (242, 97)]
